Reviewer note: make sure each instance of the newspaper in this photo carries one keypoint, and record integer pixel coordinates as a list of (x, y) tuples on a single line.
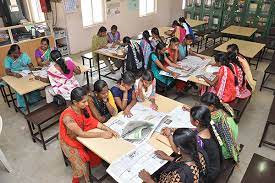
[(126, 168), (139, 127), (177, 118)]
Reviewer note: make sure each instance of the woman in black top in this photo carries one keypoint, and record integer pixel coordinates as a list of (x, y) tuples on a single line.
[(188, 167), (101, 102), (201, 117)]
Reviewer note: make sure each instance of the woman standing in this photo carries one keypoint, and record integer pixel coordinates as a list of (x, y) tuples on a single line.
[(146, 46), (42, 54), (16, 62), (77, 121), (101, 102)]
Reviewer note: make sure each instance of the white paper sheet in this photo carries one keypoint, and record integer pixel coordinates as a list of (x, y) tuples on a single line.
[(177, 118), (126, 168), (212, 69), (142, 116)]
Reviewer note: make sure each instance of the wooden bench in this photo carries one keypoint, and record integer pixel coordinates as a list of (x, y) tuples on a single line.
[(239, 106), (270, 70), (227, 169), (270, 121), (260, 170), (47, 116)]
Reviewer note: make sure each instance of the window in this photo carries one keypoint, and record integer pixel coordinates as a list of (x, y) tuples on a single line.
[(147, 7), (36, 12), (93, 12), (183, 4)]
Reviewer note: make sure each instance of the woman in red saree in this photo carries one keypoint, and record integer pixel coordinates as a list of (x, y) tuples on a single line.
[(224, 84), (76, 121), (241, 89)]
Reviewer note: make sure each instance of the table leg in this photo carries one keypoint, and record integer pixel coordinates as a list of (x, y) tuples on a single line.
[(90, 61), (260, 57), (88, 81), (15, 107), (98, 67), (83, 61), (27, 104)]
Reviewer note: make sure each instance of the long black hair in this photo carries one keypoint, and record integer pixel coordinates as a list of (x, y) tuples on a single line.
[(126, 40), (174, 40), (147, 75), (146, 36), (155, 31), (210, 98), (202, 114), (176, 23), (77, 95), (57, 58), (13, 48), (183, 20), (101, 29), (185, 139), (127, 78), (232, 56), (99, 85), (223, 59), (159, 47)]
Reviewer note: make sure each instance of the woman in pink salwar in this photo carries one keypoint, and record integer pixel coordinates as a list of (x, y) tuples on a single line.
[(241, 89), (61, 77)]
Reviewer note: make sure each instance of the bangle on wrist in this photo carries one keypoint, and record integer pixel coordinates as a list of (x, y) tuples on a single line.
[(125, 99)]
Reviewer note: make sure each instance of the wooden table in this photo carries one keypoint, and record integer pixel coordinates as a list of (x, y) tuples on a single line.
[(247, 48), (194, 23), (28, 84), (239, 31), (260, 169), (111, 149), (110, 55), (162, 31)]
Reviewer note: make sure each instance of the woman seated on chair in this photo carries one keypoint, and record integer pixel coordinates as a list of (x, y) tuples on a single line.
[(225, 82), (145, 88), (156, 38), (42, 54), (188, 50), (222, 116), (16, 62), (146, 47), (101, 102), (77, 121), (124, 93), (114, 36), (241, 89), (245, 65), (189, 165), (60, 76), (158, 61), (99, 41)]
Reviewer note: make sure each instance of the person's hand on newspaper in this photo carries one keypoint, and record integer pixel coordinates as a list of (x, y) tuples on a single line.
[(162, 155), (145, 176), (175, 75), (167, 132), (106, 135), (127, 113), (154, 106), (115, 134), (185, 108)]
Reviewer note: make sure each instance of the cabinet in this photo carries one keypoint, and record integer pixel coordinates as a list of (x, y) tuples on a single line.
[(61, 41)]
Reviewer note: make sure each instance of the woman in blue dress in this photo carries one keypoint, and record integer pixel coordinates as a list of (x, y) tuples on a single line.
[(16, 62)]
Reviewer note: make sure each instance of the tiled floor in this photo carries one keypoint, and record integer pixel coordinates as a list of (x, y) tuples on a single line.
[(32, 164)]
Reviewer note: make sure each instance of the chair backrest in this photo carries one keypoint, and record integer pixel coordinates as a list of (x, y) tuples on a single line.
[(272, 31), (1, 124)]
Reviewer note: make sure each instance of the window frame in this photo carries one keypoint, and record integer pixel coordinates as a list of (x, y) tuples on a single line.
[(151, 13), (103, 14), (183, 3)]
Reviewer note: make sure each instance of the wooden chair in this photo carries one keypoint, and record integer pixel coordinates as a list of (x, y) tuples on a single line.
[(46, 116), (213, 36), (6, 97), (270, 121), (270, 70), (210, 51), (3, 158)]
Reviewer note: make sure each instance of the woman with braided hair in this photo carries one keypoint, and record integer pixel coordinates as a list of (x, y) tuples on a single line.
[(222, 116), (241, 89), (189, 166)]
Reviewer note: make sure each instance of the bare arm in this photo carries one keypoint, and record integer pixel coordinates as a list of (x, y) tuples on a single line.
[(77, 70), (192, 53), (133, 101), (168, 61), (45, 80), (211, 83), (9, 73), (72, 125), (42, 63), (122, 104)]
